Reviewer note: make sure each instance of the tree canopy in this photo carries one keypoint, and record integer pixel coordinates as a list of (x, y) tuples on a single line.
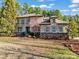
[(8, 17), (73, 27), (10, 9)]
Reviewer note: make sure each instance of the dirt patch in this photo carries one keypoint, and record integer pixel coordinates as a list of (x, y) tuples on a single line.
[(73, 46)]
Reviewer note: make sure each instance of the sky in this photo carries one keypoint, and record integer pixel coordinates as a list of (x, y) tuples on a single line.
[(67, 7)]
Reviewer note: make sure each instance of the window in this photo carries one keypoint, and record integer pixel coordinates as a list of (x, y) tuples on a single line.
[(60, 29), (19, 29), (27, 21), (17, 21), (47, 29), (22, 21), (53, 28)]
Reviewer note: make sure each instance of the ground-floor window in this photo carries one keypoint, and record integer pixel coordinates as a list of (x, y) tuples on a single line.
[(19, 29), (54, 29), (47, 29), (60, 29)]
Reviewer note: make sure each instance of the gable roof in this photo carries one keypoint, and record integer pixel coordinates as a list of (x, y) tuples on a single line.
[(47, 21)]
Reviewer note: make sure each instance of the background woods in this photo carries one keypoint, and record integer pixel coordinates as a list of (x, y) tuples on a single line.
[(10, 9)]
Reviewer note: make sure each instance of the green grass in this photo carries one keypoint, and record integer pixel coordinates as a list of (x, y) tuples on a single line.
[(62, 53), (55, 49)]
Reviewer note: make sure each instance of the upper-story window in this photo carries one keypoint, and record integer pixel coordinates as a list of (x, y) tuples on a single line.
[(27, 21), (17, 21), (22, 21)]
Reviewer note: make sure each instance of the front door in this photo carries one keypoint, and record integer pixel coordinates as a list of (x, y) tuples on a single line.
[(27, 30)]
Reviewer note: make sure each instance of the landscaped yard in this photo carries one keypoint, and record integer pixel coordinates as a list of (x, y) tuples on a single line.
[(28, 48)]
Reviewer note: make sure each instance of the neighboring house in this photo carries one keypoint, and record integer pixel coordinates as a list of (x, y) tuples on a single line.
[(28, 23), (53, 28)]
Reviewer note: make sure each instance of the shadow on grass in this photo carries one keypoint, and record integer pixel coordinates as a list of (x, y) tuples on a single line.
[(29, 53)]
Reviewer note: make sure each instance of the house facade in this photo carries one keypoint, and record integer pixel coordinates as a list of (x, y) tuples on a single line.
[(28, 23), (45, 27), (53, 28)]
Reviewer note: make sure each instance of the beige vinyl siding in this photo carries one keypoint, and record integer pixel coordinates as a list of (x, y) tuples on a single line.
[(22, 23)]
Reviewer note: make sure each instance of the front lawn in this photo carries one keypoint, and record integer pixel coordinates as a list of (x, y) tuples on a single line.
[(62, 53), (51, 48)]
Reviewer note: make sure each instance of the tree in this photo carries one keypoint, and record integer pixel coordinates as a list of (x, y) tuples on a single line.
[(19, 9), (45, 13), (76, 17), (17, 6), (52, 13), (8, 19), (65, 18), (73, 32), (0, 10), (25, 8), (3, 26), (37, 10), (31, 10), (57, 13)]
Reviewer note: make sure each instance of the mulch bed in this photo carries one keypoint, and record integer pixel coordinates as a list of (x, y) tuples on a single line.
[(73, 45)]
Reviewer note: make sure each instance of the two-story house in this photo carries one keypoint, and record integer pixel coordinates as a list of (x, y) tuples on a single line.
[(46, 27), (28, 23), (52, 27)]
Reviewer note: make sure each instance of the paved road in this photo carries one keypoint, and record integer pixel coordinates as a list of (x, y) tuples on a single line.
[(16, 51)]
